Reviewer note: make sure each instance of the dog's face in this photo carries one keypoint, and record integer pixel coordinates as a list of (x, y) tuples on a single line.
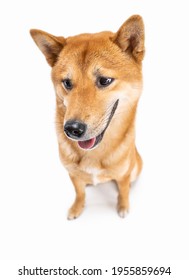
[(95, 76)]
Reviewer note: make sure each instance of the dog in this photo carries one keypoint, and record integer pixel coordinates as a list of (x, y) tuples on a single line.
[(98, 82)]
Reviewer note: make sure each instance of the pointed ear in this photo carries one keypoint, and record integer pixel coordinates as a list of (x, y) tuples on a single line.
[(49, 45), (130, 37)]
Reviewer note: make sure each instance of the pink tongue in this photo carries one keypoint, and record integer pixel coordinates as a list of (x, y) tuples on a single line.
[(88, 144)]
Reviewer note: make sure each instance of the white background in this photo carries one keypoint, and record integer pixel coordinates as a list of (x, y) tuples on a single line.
[(35, 190)]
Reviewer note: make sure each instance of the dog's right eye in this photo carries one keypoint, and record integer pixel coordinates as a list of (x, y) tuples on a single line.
[(67, 83), (104, 81)]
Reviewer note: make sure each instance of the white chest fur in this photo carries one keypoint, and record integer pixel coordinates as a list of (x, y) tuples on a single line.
[(94, 172)]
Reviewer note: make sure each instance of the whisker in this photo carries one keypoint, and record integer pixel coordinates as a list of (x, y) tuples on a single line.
[(104, 119)]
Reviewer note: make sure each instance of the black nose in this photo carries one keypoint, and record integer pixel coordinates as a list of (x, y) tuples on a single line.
[(75, 129)]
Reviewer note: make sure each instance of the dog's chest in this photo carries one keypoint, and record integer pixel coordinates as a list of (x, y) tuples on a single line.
[(95, 173), (98, 175)]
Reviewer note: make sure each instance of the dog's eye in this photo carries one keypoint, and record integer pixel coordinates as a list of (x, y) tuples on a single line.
[(67, 83), (104, 81)]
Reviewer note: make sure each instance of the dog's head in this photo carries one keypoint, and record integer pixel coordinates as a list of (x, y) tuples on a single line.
[(94, 75)]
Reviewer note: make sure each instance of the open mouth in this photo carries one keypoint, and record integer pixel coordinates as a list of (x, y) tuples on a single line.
[(93, 142)]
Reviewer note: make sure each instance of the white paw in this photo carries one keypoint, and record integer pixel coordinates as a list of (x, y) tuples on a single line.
[(123, 213)]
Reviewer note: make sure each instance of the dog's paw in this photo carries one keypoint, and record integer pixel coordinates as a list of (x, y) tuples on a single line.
[(74, 212), (122, 212), (122, 207)]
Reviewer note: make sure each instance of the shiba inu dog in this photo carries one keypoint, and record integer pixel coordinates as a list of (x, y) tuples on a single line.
[(98, 82)]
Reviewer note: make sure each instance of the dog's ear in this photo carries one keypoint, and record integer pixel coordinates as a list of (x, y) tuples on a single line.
[(130, 37), (49, 45)]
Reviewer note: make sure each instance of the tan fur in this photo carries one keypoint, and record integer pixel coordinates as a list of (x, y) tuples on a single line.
[(83, 58)]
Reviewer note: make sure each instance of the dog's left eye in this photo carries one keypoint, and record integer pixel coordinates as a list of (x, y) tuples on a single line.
[(67, 83), (104, 81)]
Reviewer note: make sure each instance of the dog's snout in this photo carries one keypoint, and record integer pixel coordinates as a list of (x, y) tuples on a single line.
[(75, 129)]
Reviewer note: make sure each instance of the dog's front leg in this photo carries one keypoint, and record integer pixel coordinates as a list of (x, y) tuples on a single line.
[(123, 197), (79, 202)]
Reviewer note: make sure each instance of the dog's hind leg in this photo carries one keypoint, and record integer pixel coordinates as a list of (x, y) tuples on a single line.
[(79, 202), (137, 167)]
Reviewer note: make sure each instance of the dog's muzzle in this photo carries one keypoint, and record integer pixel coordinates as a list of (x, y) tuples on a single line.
[(76, 130)]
